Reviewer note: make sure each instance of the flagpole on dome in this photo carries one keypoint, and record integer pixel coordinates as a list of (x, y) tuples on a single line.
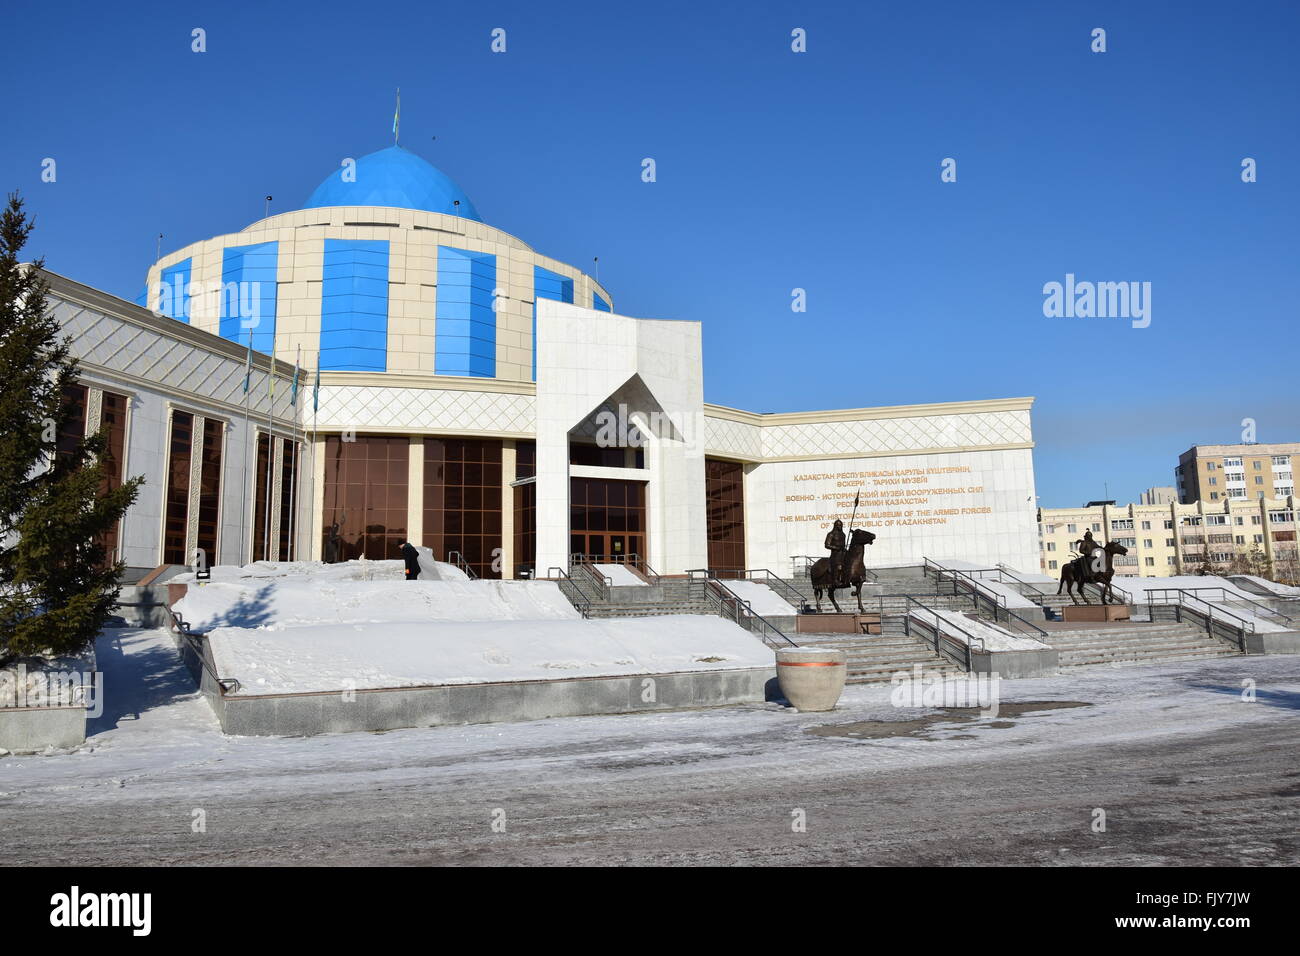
[(397, 118)]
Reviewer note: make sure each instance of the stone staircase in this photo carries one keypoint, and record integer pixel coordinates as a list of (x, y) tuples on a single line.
[(1135, 644), (671, 596), (876, 658)]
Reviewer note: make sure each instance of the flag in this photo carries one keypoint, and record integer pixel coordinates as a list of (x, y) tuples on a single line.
[(248, 363), (397, 114), (315, 389), (293, 392)]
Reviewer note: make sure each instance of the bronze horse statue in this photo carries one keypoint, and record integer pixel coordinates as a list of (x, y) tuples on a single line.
[(1075, 573), (820, 573)]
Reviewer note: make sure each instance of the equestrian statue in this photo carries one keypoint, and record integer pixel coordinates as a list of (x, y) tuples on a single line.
[(844, 568), (1094, 565)]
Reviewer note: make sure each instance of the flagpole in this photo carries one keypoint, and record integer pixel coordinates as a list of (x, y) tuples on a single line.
[(315, 403), (244, 523), (295, 465), (270, 451)]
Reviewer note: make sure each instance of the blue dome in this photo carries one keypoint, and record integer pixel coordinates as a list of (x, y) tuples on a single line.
[(394, 177)]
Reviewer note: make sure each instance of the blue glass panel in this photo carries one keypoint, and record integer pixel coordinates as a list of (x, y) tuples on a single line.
[(465, 332), (248, 294), (354, 306)]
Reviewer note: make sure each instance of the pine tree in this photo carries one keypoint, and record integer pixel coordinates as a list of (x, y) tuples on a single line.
[(57, 588)]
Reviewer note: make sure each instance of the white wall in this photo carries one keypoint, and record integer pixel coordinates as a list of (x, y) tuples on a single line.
[(906, 526)]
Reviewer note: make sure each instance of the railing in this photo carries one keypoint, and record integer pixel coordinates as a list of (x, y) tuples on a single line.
[(944, 645), (1235, 597), (993, 602), (592, 576), (642, 566), (1182, 603), (458, 559), (634, 561), (780, 585), (801, 565), (572, 590), (194, 640), (727, 603)]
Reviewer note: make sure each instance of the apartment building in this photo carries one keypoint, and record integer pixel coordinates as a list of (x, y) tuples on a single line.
[(1237, 472), (1230, 534)]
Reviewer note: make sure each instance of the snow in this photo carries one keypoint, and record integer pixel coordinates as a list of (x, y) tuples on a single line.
[(159, 745), (994, 637), (288, 628), (1013, 598), (620, 576), (341, 656), (312, 597), (764, 601), (1281, 590)]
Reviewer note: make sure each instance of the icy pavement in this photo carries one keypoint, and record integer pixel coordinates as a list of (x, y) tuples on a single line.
[(1186, 771)]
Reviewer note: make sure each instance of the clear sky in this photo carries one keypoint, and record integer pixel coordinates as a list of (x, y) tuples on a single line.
[(775, 171)]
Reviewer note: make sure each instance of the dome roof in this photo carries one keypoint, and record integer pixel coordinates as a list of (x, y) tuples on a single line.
[(394, 177)]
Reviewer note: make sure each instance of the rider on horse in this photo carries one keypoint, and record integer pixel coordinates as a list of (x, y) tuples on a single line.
[(837, 544), (1086, 546)]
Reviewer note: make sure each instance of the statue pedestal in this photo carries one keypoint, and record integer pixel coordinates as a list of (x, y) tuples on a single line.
[(1095, 612), (837, 624)]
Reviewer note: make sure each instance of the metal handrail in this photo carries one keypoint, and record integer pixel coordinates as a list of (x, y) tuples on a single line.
[(732, 606), (779, 585), (577, 598), (458, 559), (965, 658), (182, 627), (1242, 628), (1233, 597), (602, 582), (643, 567), (998, 602)]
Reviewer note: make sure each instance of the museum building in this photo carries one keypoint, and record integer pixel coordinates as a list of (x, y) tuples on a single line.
[(416, 374)]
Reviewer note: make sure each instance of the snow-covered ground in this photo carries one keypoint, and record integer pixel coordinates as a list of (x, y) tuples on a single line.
[(282, 660), (1189, 769), (764, 601), (287, 628), (619, 576)]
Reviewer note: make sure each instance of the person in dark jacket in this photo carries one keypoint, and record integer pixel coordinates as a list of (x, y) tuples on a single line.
[(412, 559)]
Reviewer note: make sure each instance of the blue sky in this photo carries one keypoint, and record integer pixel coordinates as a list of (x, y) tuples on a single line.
[(775, 171)]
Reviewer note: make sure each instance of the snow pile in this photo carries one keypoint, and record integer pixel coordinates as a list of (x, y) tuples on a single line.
[(342, 656), (994, 637), (315, 597), (317, 571), (286, 628), (1233, 598), (1279, 590), (764, 601), (619, 575)]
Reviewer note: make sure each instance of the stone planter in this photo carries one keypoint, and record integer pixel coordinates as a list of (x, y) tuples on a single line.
[(811, 678)]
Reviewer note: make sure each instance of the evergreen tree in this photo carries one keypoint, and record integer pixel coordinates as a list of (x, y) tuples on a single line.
[(57, 588)]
